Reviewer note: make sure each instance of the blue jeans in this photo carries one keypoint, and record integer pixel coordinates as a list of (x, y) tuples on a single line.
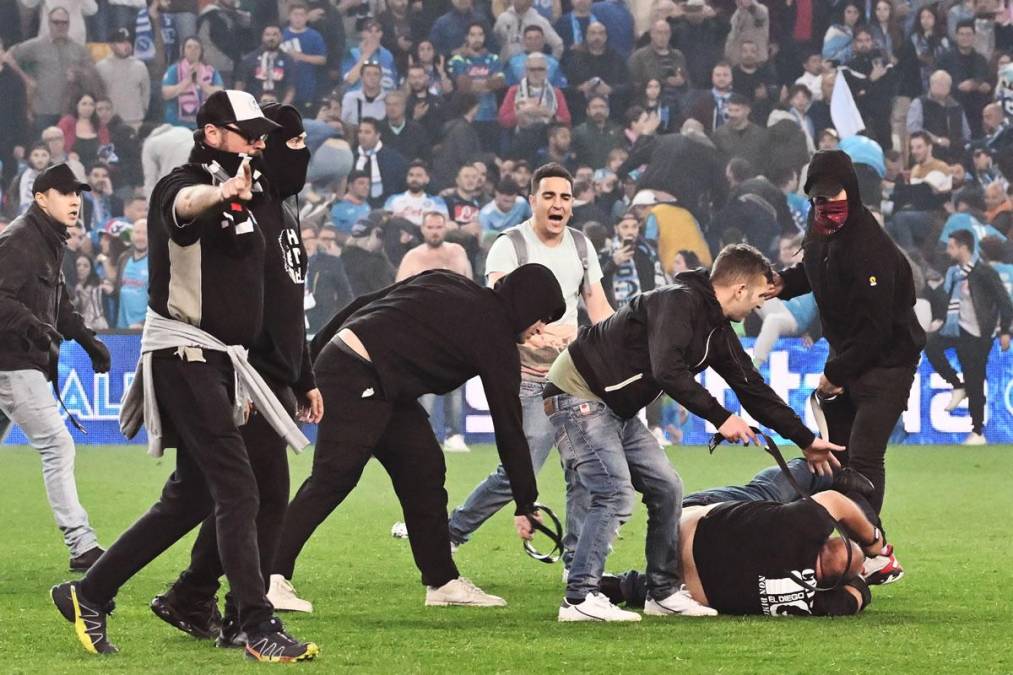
[(613, 458), (494, 493), (768, 485), (453, 412)]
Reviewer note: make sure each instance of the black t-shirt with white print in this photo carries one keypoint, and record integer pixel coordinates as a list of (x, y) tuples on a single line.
[(751, 555), (208, 272)]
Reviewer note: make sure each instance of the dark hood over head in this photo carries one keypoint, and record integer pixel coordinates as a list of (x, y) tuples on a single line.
[(531, 294), (286, 167), (835, 165)]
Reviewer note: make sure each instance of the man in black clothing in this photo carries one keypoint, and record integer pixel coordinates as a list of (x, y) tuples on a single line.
[(755, 80), (658, 343), (385, 166), (700, 35), (975, 302), (206, 308), (594, 67), (35, 316), (865, 293), (423, 106), (970, 74), (281, 357), (268, 70), (327, 286), (427, 334), (769, 557), (407, 136), (13, 110), (871, 78), (366, 265)]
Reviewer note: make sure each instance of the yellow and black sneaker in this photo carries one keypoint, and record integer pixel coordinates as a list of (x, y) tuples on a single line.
[(270, 643), (88, 618)]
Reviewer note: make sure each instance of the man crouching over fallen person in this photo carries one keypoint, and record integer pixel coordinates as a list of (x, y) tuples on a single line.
[(767, 557)]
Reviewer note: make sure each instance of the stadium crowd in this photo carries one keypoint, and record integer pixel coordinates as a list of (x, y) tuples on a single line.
[(687, 125)]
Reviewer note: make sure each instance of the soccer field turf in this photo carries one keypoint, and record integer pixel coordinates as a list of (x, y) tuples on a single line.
[(948, 512)]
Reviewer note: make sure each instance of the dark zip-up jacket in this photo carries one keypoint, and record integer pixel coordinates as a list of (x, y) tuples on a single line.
[(660, 341), (32, 290), (433, 332), (863, 285), (992, 304)]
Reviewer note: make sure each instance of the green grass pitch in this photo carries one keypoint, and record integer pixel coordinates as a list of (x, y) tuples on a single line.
[(948, 512)]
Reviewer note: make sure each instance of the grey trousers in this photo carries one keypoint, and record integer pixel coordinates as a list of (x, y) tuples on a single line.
[(26, 397)]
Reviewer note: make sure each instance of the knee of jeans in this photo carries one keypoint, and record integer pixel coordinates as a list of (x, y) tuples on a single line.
[(665, 492), (625, 498)]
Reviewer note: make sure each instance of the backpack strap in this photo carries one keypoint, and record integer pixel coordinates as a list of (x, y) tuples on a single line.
[(516, 238), (580, 240)]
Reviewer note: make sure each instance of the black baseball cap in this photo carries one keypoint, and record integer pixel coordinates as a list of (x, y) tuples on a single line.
[(230, 107), (825, 187), (121, 35), (59, 177)]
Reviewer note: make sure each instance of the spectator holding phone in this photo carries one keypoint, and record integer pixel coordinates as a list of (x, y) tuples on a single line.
[(632, 266)]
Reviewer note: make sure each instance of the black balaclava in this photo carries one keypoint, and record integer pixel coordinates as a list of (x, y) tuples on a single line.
[(531, 293), (286, 168)]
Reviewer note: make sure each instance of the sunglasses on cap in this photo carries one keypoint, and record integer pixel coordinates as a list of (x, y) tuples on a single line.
[(249, 138)]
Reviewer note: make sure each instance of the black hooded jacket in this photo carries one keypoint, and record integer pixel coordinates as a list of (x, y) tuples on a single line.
[(432, 332), (660, 341), (280, 352), (862, 283)]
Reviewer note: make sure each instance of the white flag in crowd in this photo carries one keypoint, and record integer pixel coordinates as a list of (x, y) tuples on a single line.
[(843, 111)]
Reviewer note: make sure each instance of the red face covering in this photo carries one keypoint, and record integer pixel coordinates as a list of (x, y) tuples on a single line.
[(829, 216)]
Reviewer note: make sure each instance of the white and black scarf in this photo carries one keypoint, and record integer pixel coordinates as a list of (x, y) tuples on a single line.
[(369, 157), (546, 97)]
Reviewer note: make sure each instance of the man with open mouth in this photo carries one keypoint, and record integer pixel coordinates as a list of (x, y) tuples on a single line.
[(36, 315)]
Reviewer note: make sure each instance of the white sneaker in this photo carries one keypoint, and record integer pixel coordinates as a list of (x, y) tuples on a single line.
[(596, 607), (461, 591), (659, 435), (679, 603), (282, 596), (399, 530), (975, 439), (455, 443), (956, 397)]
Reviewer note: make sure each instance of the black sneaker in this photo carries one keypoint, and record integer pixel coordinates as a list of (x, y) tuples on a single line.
[(88, 618), (848, 480), (232, 634), (272, 644), (83, 562), (200, 619)]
